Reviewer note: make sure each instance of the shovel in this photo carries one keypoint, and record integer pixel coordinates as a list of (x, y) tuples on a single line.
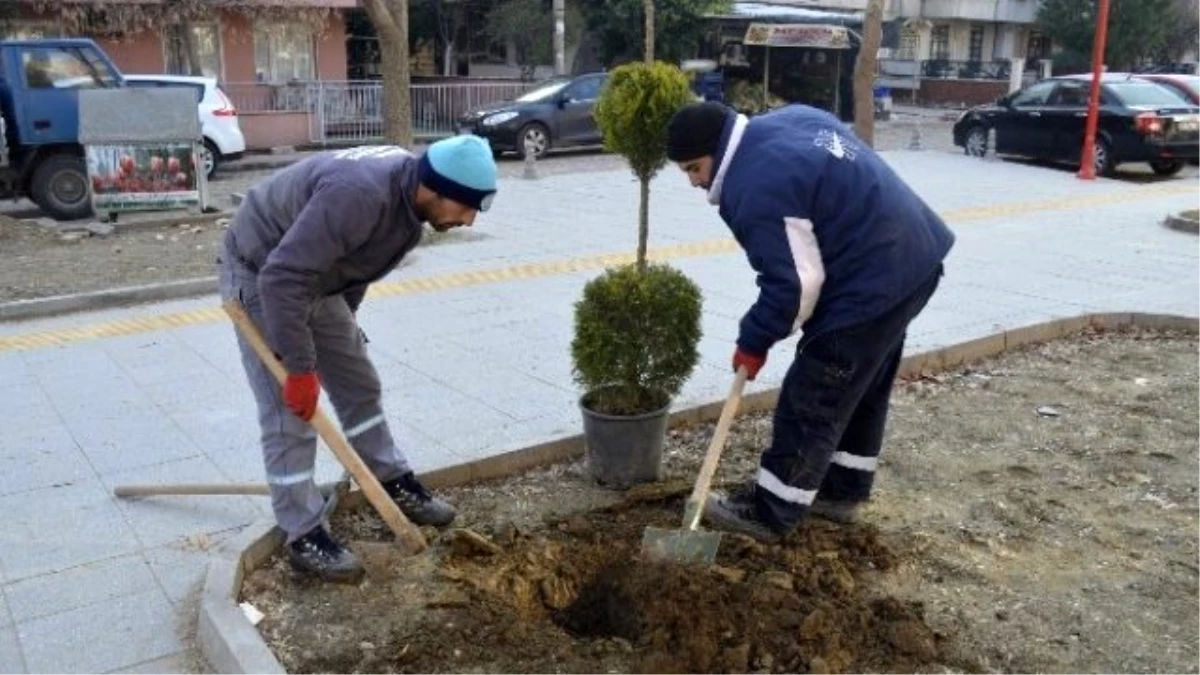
[(688, 545)]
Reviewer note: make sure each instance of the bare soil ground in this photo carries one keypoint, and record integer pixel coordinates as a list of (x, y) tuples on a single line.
[(1033, 512)]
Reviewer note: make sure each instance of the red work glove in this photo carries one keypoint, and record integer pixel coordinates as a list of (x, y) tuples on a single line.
[(752, 362), (300, 394)]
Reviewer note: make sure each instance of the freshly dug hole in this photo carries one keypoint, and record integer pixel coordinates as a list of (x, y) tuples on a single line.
[(572, 596)]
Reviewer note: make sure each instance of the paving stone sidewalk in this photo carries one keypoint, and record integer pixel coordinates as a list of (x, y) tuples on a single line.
[(472, 343)]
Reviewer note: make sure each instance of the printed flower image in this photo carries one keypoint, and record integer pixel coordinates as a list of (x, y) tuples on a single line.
[(143, 168)]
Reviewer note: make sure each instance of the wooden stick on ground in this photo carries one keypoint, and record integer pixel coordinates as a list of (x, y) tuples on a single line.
[(407, 535)]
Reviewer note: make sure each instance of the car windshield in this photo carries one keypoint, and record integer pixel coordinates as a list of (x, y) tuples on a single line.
[(543, 91), (1136, 94)]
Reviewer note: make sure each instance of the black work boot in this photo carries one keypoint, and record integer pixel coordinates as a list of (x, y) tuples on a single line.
[(838, 511), (421, 507), (739, 513), (324, 556)]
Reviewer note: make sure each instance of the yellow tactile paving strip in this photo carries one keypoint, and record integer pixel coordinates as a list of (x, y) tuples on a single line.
[(119, 327)]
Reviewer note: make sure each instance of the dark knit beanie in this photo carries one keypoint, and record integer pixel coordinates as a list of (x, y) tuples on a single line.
[(695, 130)]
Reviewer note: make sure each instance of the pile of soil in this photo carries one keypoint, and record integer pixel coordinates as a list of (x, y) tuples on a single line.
[(1033, 513), (576, 596)]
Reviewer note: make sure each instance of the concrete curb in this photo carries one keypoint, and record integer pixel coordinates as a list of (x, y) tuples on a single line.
[(1181, 224), (233, 645), (228, 640), (38, 308)]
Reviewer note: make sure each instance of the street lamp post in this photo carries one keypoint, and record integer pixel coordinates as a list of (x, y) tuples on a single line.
[(1087, 166)]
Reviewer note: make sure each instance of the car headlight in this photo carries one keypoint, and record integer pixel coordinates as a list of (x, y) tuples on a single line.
[(498, 118)]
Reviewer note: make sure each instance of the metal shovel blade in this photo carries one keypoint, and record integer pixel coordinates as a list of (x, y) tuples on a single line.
[(682, 546)]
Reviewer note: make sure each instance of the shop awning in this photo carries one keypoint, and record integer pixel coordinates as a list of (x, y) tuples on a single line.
[(797, 35)]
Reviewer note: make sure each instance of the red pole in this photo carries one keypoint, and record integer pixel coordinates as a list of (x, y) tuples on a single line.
[(1087, 164)]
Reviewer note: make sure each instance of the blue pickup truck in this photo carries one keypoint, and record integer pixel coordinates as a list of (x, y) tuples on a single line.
[(41, 157)]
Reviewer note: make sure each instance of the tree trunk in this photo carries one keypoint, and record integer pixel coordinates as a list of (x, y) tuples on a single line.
[(390, 18), (643, 224), (864, 72), (649, 48), (187, 40)]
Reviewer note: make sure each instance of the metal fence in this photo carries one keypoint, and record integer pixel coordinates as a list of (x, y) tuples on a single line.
[(351, 112)]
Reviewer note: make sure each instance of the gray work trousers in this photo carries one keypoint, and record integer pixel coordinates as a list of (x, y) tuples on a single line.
[(289, 443)]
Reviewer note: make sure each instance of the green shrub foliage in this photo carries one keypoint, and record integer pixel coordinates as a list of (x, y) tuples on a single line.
[(636, 337), (634, 109)]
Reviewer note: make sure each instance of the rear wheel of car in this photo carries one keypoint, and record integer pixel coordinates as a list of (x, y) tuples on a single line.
[(976, 143), (60, 187), (212, 158), (1166, 167), (1102, 158), (535, 137)]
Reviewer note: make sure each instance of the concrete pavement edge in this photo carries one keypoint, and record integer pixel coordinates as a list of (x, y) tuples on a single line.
[(39, 308)]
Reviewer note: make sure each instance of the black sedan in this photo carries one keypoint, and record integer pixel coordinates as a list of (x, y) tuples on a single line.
[(1140, 121), (556, 113)]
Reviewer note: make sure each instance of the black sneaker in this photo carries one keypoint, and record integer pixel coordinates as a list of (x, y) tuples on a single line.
[(421, 507), (322, 555), (738, 513)]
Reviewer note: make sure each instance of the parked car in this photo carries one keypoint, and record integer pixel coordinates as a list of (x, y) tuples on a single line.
[(1140, 121), (1187, 85), (223, 139), (557, 113)]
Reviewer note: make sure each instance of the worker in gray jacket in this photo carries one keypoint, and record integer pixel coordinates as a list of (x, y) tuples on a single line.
[(299, 255)]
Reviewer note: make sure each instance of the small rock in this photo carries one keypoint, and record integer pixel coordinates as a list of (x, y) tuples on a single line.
[(366, 646), (174, 238), (1047, 411), (1141, 381), (100, 229), (116, 249), (74, 235), (223, 223), (199, 247), (1001, 615), (625, 645), (730, 574), (778, 579), (766, 662), (159, 237)]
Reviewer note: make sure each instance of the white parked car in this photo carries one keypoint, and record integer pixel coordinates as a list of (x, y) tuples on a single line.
[(223, 137)]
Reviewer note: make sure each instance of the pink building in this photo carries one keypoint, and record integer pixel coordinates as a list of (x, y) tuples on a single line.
[(254, 58)]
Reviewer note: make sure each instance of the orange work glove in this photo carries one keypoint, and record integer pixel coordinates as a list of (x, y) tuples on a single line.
[(300, 394)]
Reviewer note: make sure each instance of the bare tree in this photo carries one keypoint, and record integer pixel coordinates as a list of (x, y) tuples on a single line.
[(390, 18), (649, 51), (864, 72)]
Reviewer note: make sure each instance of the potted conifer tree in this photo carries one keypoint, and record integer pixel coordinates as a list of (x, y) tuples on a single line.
[(637, 326)]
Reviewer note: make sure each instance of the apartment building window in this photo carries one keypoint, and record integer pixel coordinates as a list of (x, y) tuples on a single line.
[(207, 41), (975, 44), (284, 52), (910, 41), (939, 43), (30, 30), (1039, 47)]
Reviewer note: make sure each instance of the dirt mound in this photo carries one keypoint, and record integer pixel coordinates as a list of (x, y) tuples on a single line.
[(575, 598)]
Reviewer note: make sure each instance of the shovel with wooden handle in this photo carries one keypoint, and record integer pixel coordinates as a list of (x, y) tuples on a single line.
[(408, 537), (689, 545)]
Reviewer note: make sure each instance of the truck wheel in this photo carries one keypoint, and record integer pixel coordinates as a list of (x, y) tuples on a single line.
[(60, 187), (212, 159)]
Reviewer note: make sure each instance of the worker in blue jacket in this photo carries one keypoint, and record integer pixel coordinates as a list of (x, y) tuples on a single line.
[(846, 254)]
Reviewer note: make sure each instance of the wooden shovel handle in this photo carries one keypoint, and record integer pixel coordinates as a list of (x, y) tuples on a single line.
[(192, 489), (407, 534), (695, 505)]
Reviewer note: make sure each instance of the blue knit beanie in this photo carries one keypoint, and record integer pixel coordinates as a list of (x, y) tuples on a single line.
[(460, 168)]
